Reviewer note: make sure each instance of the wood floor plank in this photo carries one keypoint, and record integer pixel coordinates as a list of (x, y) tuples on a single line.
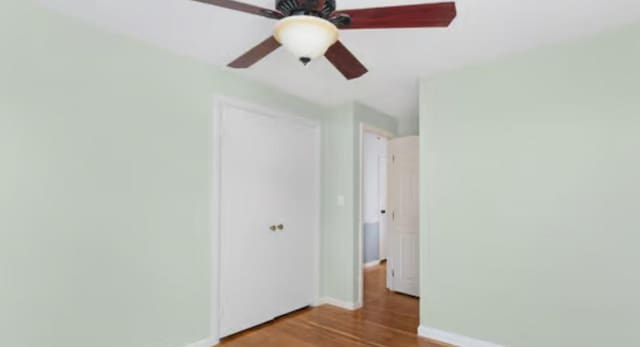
[(387, 320)]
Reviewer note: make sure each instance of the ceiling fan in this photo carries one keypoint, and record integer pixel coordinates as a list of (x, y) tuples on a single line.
[(309, 28)]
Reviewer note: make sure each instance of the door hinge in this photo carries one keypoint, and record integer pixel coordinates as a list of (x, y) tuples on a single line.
[(393, 158), (393, 215), (393, 273)]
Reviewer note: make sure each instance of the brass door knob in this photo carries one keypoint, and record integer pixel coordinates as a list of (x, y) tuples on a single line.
[(280, 226), (273, 228)]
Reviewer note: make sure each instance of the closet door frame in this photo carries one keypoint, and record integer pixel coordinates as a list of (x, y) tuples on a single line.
[(219, 103)]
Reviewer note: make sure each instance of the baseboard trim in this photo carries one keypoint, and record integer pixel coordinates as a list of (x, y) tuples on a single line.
[(210, 342), (351, 306), (453, 339)]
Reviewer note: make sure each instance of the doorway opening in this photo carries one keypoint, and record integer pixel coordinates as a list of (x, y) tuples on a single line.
[(389, 215), (373, 215)]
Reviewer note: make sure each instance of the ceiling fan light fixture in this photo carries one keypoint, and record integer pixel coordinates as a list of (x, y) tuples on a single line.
[(307, 37)]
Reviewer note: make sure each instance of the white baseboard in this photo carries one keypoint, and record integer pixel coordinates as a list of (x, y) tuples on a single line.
[(204, 343), (453, 339), (351, 306)]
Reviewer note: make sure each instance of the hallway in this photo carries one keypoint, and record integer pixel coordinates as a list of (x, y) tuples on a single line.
[(387, 320)]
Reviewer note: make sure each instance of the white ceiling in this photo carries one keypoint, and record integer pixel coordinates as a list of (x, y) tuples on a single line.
[(484, 29)]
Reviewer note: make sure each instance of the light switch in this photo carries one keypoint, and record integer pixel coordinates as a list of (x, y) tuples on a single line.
[(340, 200)]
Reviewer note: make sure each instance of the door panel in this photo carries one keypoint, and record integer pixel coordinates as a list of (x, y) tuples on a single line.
[(404, 204), (374, 196), (246, 239), (382, 184), (297, 183)]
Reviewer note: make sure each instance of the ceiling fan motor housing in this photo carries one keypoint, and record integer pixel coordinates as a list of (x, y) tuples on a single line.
[(318, 8)]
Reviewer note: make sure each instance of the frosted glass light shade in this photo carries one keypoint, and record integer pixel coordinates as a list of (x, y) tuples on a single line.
[(307, 37)]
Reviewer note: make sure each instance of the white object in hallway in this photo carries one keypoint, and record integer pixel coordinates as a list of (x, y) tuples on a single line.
[(374, 185), (382, 198), (404, 208), (269, 180)]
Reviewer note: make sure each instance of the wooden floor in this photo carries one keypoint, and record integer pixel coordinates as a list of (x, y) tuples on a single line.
[(387, 319)]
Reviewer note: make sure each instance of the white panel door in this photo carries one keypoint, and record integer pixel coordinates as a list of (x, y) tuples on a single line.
[(403, 193), (382, 197), (246, 282), (268, 177)]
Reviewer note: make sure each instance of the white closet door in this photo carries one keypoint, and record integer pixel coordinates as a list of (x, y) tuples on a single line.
[(404, 205), (245, 215), (268, 178)]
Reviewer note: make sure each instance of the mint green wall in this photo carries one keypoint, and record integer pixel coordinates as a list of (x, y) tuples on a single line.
[(530, 196), (103, 181), (337, 232), (409, 126), (104, 184)]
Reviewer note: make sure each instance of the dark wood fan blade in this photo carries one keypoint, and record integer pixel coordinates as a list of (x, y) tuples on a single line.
[(344, 61), (242, 7), (256, 53), (409, 16)]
